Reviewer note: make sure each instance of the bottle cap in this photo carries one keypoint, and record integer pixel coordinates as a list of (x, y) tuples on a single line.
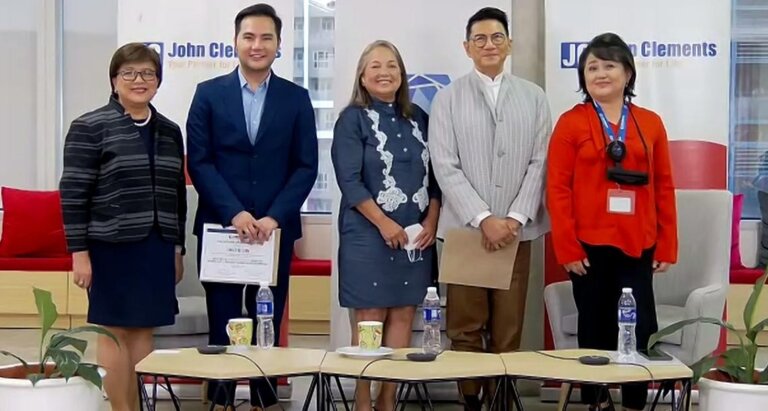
[(626, 290), (432, 290), (263, 283)]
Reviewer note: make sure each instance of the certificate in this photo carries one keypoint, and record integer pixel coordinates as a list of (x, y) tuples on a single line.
[(225, 259)]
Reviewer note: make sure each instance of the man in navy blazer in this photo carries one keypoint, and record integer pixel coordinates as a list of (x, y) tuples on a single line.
[(252, 155)]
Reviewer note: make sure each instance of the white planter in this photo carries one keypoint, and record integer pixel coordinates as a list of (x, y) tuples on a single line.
[(76, 394), (718, 396)]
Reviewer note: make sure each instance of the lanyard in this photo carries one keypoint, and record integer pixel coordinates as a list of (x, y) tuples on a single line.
[(607, 127)]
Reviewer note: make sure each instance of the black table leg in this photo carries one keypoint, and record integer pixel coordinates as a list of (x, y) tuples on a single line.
[(143, 395), (174, 398), (516, 395), (428, 397), (310, 392), (341, 393), (496, 393), (407, 394), (417, 389)]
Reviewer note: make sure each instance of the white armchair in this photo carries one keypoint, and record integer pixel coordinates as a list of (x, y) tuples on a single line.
[(695, 287)]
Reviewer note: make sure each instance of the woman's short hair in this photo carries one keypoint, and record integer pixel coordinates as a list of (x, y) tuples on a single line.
[(608, 46), (362, 98), (134, 53)]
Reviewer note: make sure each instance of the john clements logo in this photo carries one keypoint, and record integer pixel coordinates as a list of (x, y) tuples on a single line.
[(649, 49)]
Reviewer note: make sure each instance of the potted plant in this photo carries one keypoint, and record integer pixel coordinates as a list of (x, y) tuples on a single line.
[(734, 380), (61, 380)]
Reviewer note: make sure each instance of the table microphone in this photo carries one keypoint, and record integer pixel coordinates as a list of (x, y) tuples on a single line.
[(212, 349), (421, 356), (594, 360)]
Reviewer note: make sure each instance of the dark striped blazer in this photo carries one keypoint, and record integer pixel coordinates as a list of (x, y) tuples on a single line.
[(106, 186)]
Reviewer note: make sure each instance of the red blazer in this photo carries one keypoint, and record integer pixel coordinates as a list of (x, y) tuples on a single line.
[(577, 187)]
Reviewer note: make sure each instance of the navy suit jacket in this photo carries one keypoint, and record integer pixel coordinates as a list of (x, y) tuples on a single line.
[(270, 178)]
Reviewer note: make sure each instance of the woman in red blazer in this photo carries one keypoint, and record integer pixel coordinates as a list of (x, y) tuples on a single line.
[(612, 203)]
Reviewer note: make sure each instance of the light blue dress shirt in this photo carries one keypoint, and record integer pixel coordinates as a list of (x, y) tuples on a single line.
[(253, 104)]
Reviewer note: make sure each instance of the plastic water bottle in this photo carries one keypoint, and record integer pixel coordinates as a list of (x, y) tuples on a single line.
[(430, 342), (627, 323), (265, 311)]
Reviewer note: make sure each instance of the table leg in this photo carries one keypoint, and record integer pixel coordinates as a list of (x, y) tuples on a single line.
[(310, 393), (417, 389), (329, 393), (154, 392), (143, 395), (341, 393), (566, 389), (407, 394), (516, 395), (261, 401), (496, 392), (320, 400), (428, 397), (174, 398), (688, 387)]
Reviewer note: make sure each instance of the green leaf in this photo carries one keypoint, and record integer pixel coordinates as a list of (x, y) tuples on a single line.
[(756, 329), (61, 340), (738, 356), (763, 377), (90, 373), (671, 329), (21, 360), (35, 377), (749, 309), (702, 366), (46, 309), (66, 361)]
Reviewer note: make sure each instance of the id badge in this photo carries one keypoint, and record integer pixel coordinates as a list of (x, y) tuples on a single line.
[(621, 202)]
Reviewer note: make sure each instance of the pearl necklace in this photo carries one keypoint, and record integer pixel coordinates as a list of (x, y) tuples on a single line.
[(145, 122)]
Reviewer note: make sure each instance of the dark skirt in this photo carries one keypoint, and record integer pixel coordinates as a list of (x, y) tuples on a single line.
[(133, 283)]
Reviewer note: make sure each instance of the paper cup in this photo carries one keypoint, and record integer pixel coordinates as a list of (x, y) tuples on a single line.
[(369, 335), (240, 331)]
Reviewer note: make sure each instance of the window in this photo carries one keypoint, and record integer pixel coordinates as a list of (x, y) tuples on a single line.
[(322, 182), (298, 23), (324, 119), (328, 23), (748, 149), (322, 59), (319, 24)]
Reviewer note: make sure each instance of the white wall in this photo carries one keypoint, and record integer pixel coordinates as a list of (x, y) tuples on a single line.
[(18, 100)]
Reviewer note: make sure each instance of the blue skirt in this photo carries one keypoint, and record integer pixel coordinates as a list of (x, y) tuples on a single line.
[(133, 283)]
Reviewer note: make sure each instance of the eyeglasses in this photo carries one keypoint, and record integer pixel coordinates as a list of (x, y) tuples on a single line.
[(496, 38), (130, 75)]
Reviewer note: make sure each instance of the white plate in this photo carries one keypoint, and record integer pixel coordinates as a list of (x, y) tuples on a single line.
[(356, 352)]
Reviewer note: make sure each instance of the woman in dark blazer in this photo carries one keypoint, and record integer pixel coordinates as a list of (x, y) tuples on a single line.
[(123, 196)]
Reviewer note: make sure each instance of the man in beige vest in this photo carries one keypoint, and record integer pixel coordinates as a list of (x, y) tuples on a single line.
[(488, 136)]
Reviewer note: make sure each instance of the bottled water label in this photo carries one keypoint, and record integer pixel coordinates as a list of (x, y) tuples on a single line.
[(627, 315), (431, 315), (263, 308)]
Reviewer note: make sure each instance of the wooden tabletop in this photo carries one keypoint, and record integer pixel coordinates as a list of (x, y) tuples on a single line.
[(450, 365), (277, 361), (536, 365)]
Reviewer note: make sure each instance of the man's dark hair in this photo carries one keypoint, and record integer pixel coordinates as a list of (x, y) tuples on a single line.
[(488, 13), (608, 46), (263, 10)]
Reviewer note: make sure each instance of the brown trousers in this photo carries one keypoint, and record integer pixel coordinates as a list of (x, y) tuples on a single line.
[(488, 320)]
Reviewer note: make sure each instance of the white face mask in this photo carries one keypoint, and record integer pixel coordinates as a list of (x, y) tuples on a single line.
[(414, 254)]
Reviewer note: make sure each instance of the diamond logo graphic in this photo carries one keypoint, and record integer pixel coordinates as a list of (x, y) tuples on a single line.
[(423, 87)]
